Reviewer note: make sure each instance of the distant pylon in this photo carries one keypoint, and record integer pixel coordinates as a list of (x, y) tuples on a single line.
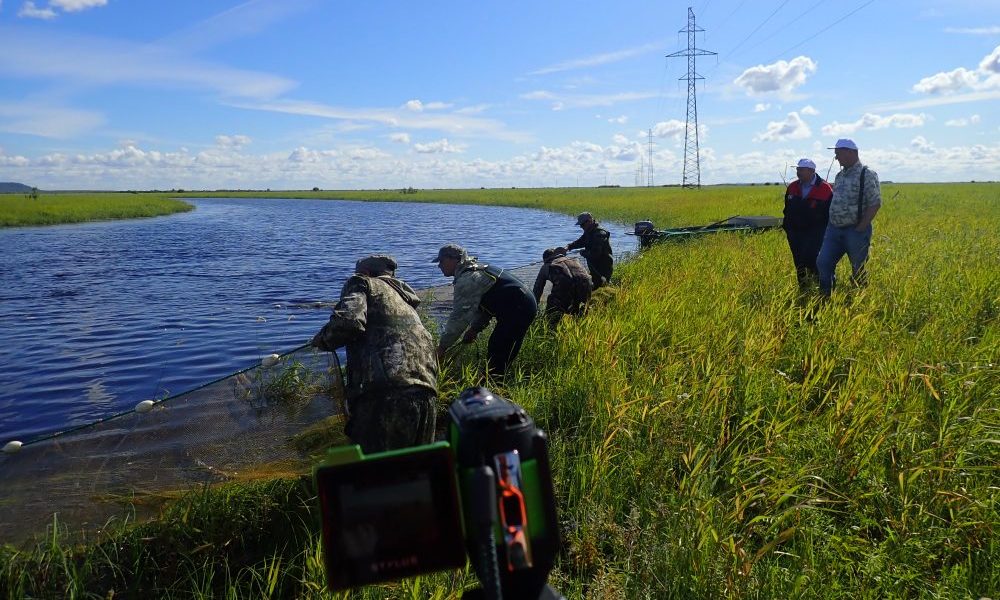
[(649, 178), (692, 164)]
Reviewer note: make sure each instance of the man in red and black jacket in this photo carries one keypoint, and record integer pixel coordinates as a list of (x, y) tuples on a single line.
[(807, 211)]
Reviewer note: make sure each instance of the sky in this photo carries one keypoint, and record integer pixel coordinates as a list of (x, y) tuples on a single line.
[(296, 94)]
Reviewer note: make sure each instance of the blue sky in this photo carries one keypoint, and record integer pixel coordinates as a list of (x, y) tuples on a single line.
[(292, 94)]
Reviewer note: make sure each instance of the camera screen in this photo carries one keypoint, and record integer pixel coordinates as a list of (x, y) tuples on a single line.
[(390, 516)]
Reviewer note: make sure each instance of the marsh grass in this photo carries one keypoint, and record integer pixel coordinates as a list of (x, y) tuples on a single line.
[(286, 383), (52, 209), (713, 434)]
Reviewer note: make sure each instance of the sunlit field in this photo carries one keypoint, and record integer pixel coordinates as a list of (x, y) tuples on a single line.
[(52, 209), (713, 433)]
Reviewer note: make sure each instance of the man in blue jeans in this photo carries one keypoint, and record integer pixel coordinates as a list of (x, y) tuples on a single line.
[(856, 199)]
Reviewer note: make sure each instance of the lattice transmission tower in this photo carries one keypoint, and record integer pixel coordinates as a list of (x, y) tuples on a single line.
[(649, 149), (692, 165)]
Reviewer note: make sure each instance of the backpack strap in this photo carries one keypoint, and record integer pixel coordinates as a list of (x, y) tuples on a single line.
[(861, 195)]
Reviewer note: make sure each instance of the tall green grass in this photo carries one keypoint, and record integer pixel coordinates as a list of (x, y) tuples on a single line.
[(51, 209), (713, 434)]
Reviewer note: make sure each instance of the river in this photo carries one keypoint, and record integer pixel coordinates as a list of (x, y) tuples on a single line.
[(99, 316)]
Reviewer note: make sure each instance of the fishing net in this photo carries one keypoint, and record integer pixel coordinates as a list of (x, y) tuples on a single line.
[(271, 419)]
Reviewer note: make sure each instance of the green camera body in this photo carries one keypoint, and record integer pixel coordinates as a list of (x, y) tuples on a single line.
[(486, 492)]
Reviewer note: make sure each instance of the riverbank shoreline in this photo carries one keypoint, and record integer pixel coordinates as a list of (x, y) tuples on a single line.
[(69, 208)]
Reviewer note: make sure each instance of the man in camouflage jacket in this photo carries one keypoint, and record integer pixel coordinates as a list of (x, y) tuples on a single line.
[(482, 293), (571, 285), (596, 244), (856, 199), (391, 366)]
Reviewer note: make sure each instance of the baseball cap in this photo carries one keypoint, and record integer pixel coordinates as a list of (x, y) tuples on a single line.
[(844, 143), (450, 251), (805, 163), (583, 218), (377, 264), (552, 253)]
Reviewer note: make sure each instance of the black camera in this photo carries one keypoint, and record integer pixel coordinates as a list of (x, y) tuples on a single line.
[(486, 493)]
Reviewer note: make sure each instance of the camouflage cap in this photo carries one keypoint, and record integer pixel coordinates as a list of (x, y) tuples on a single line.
[(552, 253), (584, 217), (451, 251), (376, 264)]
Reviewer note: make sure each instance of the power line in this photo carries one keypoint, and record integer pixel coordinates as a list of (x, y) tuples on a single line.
[(749, 35), (821, 31)]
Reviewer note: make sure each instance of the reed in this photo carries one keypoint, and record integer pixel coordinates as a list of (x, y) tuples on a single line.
[(713, 434), (52, 208)]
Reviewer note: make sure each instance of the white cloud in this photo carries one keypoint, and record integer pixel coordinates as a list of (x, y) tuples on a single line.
[(400, 138), (620, 120), (101, 62), (963, 122), (620, 139), (672, 128), (986, 77), (131, 166), (991, 62), (947, 83), (472, 110), (418, 106), (30, 11), (761, 107), (566, 101), (792, 128), (599, 59), (809, 110), (921, 145), (873, 121), (442, 146), (77, 5), (538, 95), (939, 101), (232, 141), (47, 121), (452, 123), (780, 78), (994, 30)]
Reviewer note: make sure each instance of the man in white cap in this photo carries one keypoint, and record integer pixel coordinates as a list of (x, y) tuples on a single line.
[(807, 212), (856, 199)]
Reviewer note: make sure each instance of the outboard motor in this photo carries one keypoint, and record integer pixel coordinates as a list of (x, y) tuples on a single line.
[(646, 232)]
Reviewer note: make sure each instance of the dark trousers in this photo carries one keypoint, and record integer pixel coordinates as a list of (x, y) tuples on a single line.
[(567, 299), (805, 245), (392, 419), (505, 342), (600, 270)]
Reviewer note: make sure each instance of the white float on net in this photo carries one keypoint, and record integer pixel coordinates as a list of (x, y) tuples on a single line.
[(270, 360), (12, 446), (145, 406)]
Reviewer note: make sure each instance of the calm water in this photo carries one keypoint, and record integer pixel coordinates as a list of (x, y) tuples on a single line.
[(96, 317)]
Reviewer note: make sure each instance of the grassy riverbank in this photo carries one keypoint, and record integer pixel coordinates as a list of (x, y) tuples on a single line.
[(712, 436), (666, 206), (53, 209)]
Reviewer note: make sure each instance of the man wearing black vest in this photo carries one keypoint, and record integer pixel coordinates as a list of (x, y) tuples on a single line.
[(856, 199), (596, 244), (483, 292), (807, 211)]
